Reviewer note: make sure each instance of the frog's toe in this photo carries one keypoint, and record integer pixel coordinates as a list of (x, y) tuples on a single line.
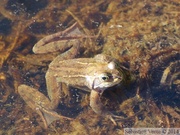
[(112, 119), (115, 118)]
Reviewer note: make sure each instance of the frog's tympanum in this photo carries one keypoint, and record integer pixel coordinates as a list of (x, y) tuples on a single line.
[(90, 74)]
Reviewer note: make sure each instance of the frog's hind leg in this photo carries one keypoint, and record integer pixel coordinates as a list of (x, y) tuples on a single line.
[(39, 102)]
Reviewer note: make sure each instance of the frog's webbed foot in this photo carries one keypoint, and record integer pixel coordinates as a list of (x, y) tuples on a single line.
[(49, 116), (97, 107), (40, 103)]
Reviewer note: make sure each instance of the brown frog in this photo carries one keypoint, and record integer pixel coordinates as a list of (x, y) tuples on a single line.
[(91, 74)]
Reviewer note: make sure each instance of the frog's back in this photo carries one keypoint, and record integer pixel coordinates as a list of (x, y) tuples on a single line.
[(75, 71)]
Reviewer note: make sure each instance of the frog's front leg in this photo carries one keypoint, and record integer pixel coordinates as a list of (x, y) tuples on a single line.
[(98, 107)]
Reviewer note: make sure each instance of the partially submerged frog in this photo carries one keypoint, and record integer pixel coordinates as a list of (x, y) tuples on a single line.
[(90, 74)]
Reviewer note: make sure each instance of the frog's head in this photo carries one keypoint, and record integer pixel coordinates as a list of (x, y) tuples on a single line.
[(107, 78)]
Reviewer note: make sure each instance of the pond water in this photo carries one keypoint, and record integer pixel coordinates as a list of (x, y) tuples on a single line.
[(144, 36)]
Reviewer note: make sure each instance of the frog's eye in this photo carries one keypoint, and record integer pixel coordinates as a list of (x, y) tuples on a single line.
[(106, 77)]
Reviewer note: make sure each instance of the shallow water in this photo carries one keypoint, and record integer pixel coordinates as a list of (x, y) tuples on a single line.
[(143, 36)]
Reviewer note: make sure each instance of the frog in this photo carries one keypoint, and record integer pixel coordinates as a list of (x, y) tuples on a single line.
[(94, 75)]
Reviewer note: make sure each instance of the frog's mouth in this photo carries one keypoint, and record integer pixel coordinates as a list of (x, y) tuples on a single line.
[(102, 85)]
